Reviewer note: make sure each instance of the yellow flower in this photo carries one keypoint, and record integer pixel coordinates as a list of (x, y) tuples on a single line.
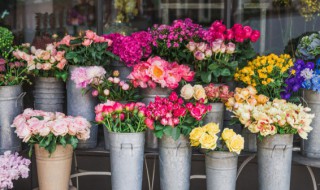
[(196, 134), (194, 143), (211, 128), (227, 134), (235, 144), (262, 99), (208, 141)]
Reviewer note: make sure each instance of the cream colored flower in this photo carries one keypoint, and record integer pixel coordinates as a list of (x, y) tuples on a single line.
[(199, 92), (208, 141), (227, 134), (211, 128), (187, 92), (235, 144)]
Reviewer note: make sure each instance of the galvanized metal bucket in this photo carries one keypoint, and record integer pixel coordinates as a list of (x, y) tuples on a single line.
[(274, 162), (49, 94), (148, 95), (175, 163), (127, 155), (221, 170), (122, 68), (215, 115), (11, 105), (250, 141), (79, 104), (311, 147)]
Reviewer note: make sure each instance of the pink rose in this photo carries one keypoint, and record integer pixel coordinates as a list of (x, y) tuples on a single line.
[(199, 55), (44, 131), (46, 66), (60, 55), (191, 46), (116, 80), (99, 117), (82, 124), (87, 42), (62, 64), (164, 121), (24, 132), (179, 112), (60, 127), (150, 123), (90, 35), (125, 86), (208, 53), (230, 48), (255, 36), (215, 46), (229, 34), (95, 93), (202, 46), (109, 42), (98, 108), (223, 48), (248, 31)]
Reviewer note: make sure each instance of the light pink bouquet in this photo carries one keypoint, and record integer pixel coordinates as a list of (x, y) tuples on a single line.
[(159, 71), (49, 129), (12, 167), (85, 76)]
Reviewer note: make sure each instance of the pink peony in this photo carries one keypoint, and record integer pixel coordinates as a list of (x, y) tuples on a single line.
[(87, 42)]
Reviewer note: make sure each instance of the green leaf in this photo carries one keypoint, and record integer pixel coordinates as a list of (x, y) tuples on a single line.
[(175, 133), (63, 141), (74, 142), (225, 72), (71, 55), (168, 130), (159, 134), (213, 66), (206, 77)]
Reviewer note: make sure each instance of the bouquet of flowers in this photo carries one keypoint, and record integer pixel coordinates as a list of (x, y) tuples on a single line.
[(158, 71), (131, 49), (211, 93), (122, 118), (45, 63), (112, 88), (206, 137), (172, 116), (49, 129), (169, 41), (267, 74), (309, 47), (12, 167), (213, 61), (270, 118), (87, 50)]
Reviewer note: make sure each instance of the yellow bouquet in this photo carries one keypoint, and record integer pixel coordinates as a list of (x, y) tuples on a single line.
[(206, 137), (266, 73)]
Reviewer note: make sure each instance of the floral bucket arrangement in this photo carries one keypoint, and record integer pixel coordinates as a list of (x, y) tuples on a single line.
[(126, 124), (12, 167), (49, 68), (275, 122), (221, 157), (172, 119), (12, 75), (83, 51), (54, 136)]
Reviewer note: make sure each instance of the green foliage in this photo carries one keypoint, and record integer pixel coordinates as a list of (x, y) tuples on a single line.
[(6, 42)]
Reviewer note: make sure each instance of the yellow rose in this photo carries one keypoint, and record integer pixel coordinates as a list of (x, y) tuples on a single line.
[(199, 92), (230, 103), (227, 134), (196, 133), (211, 128), (208, 141), (187, 92), (235, 144), (194, 143)]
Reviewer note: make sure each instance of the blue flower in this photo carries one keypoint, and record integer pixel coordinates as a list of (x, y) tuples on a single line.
[(306, 84), (318, 62)]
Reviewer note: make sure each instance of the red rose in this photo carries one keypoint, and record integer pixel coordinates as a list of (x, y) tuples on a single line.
[(255, 36), (180, 112), (150, 123), (248, 31)]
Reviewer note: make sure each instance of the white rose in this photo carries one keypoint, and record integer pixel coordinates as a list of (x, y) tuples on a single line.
[(187, 92)]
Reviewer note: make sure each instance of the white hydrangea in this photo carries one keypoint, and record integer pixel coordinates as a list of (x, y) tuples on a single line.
[(307, 73)]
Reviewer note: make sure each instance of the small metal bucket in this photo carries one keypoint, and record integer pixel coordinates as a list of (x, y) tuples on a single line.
[(82, 105), (175, 163), (11, 105), (250, 140), (221, 170), (215, 115), (149, 95), (127, 155), (49, 94), (311, 147), (274, 162), (122, 68)]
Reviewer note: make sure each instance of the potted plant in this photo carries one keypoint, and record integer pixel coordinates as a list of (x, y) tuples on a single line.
[(54, 136), (12, 75), (172, 119), (85, 50), (214, 95), (12, 167), (126, 124), (275, 122), (221, 158), (49, 67)]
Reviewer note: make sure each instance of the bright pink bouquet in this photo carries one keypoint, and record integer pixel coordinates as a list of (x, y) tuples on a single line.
[(173, 116), (49, 129), (12, 167), (159, 71), (122, 118)]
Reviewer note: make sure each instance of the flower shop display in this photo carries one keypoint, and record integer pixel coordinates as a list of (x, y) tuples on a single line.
[(12, 167), (309, 47), (222, 157), (157, 77), (87, 50), (214, 95), (49, 67), (266, 74), (12, 75), (172, 120), (275, 123), (126, 124), (54, 136)]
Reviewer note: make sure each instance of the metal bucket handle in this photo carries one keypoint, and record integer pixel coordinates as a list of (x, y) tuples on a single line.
[(279, 146), (131, 145)]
